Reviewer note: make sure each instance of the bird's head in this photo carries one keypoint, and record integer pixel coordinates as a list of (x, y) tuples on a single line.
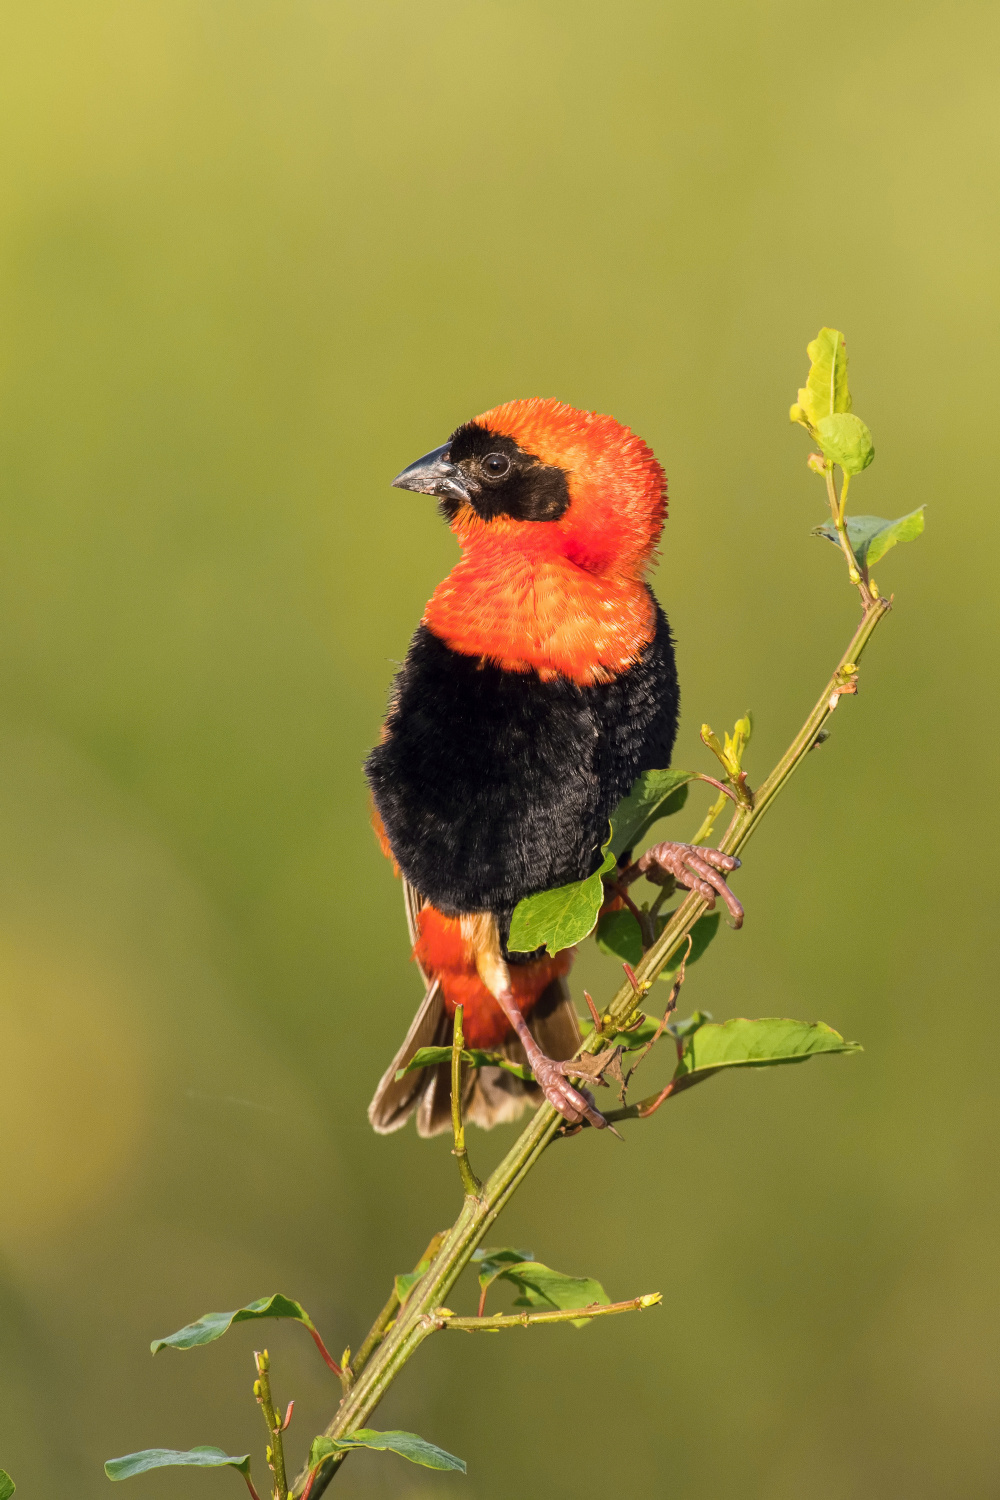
[(539, 472)]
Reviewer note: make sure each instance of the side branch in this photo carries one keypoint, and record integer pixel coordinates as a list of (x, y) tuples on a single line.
[(442, 1318)]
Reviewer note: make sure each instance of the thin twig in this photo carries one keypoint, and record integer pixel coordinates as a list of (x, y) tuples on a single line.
[(708, 823), (470, 1182), (275, 1448), (837, 511), (441, 1318)]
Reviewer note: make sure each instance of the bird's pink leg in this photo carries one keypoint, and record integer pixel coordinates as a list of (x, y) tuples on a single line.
[(573, 1105)]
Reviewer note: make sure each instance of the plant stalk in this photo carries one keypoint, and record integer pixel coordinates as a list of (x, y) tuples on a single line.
[(557, 1315), (837, 511), (470, 1182), (275, 1447)]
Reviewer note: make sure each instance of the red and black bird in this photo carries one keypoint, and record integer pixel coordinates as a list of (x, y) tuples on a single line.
[(539, 684)]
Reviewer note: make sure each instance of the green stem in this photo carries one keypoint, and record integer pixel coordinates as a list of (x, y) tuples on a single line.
[(557, 1315), (417, 1320), (837, 511), (715, 811), (470, 1182), (275, 1447)]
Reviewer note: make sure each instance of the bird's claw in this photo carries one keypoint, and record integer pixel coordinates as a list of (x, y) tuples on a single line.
[(573, 1104), (698, 869)]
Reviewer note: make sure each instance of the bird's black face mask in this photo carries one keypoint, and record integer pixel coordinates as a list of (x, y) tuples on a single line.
[(491, 473)]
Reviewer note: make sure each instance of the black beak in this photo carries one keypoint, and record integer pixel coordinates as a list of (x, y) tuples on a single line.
[(434, 475)]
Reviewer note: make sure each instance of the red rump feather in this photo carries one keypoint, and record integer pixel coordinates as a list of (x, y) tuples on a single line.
[(567, 596), (441, 950)]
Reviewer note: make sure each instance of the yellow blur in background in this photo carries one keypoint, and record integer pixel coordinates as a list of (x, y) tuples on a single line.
[(257, 256)]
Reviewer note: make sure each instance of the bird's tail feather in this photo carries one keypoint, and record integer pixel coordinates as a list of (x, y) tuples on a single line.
[(490, 1096), (395, 1100)]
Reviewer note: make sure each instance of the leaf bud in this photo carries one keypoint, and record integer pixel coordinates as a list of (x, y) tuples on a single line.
[(711, 740), (816, 462)]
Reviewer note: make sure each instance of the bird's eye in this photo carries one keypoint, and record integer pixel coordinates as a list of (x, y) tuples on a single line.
[(496, 465)]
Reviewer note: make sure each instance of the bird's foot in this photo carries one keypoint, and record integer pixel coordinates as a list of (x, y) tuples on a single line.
[(575, 1105), (698, 869)]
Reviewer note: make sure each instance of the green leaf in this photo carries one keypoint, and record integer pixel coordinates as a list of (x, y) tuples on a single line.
[(825, 390), (493, 1263), (539, 1286), (872, 536), (166, 1458), (656, 794), (846, 440), (760, 1044), (618, 935), (542, 1288), (408, 1280), (213, 1325), (6, 1485), (432, 1057), (406, 1444), (559, 918)]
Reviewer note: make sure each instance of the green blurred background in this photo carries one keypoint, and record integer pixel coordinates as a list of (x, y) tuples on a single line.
[(256, 256)]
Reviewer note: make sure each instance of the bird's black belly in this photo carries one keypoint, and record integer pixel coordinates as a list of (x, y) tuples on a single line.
[(492, 785)]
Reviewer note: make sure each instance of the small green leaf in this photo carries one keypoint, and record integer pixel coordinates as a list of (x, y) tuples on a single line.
[(213, 1325), (764, 1043), (166, 1458), (406, 1444), (408, 1280), (560, 918), (825, 390), (846, 440), (872, 536), (6, 1485), (618, 935), (656, 794), (542, 1288), (432, 1057), (493, 1263)]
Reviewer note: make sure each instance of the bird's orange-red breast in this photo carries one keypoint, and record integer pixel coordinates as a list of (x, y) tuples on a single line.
[(567, 596)]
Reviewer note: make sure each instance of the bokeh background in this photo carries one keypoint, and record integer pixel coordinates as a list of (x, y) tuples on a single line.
[(256, 256)]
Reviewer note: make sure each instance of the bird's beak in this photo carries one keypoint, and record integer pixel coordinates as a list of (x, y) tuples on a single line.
[(434, 475)]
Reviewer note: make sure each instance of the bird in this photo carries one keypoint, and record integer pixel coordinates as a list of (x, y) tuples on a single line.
[(539, 684)]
